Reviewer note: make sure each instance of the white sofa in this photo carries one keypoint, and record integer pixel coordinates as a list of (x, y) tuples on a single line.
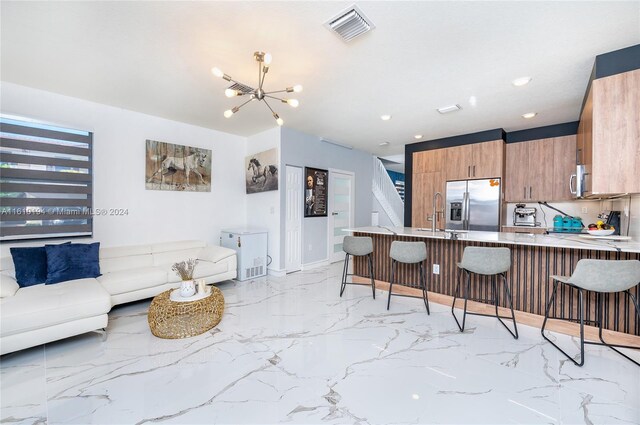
[(39, 314)]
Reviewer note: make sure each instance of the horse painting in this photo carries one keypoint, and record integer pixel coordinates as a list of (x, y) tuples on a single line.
[(173, 165), (262, 178)]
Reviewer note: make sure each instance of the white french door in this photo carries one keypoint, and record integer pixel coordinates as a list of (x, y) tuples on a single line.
[(341, 211), (293, 220)]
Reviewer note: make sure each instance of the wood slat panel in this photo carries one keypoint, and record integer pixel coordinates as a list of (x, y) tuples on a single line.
[(529, 277), (45, 202), (54, 176), (45, 133), (43, 160), (43, 147), (45, 188), (33, 230)]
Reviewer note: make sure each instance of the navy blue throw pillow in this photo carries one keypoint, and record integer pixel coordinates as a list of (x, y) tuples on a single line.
[(30, 264), (73, 261)]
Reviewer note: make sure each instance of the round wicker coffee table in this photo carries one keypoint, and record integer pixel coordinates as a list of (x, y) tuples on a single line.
[(173, 319)]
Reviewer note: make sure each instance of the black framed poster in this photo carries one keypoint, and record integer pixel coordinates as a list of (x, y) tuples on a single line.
[(315, 192)]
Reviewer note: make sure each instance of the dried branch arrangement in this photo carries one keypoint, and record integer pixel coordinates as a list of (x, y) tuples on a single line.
[(185, 269)]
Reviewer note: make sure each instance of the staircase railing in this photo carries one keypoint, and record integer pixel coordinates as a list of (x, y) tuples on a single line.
[(386, 193)]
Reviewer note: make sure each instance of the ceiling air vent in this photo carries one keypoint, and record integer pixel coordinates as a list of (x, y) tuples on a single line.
[(241, 88), (350, 24)]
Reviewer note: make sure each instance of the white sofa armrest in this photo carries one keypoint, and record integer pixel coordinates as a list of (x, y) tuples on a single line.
[(215, 253), (8, 286)]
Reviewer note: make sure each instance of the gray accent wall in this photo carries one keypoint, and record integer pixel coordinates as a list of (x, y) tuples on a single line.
[(304, 150)]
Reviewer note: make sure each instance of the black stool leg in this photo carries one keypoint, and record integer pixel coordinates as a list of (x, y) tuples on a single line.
[(423, 284), (345, 270), (581, 318), (373, 284), (393, 268), (466, 295), (508, 293), (600, 301)]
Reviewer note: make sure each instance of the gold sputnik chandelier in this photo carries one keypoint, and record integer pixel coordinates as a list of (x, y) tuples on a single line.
[(259, 94)]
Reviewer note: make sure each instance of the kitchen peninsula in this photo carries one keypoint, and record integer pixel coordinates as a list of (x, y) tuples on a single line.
[(534, 259)]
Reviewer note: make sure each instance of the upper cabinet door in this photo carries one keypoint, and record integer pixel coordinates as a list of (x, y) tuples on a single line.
[(516, 180), (616, 134), (541, 160), (428, 161), (564, 165), (488, 160), (458, 162)]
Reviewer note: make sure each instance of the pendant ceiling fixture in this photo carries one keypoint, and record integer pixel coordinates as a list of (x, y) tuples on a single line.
[(239, 89)]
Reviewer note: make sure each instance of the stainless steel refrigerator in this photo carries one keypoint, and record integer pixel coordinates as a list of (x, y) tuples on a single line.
[(473, 205)]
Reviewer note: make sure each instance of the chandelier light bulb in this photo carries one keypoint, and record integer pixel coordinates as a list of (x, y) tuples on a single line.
[(280, 122), (293, 103), (230, 93), (228, 113), (267, 58), (217, 72), (297, 88)]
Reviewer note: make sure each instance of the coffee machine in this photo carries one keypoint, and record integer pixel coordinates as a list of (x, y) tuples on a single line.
[(524, 216)]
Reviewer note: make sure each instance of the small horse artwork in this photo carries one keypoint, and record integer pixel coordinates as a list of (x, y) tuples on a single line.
[(177, 167), (261, 171)]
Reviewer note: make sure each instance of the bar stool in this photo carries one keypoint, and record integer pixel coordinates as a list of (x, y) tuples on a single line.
[(602, 277), (489, 262), (357, 246), (409, 253)]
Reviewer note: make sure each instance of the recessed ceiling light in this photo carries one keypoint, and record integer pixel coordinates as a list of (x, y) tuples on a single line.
[(418, 136), (518, 82), (415, 396), (473, 101), (384, 144), (385, 117), (450, 108), (529, 115)]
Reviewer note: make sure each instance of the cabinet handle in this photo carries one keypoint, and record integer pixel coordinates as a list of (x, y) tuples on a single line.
[(529, 192), (525, 193), (469, 171), (474, 171), (578, 156)]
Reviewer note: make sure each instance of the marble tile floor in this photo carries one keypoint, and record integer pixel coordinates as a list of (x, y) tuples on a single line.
[(290, 350)]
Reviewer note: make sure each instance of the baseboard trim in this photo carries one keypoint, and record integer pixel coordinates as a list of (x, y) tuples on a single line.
[(315, 265), (530, 319), (276, 273)]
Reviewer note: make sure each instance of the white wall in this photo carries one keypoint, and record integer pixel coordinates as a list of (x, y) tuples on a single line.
[(119, 170), (304, 150), (263, 209)]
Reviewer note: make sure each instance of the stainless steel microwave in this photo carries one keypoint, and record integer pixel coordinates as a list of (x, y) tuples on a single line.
[(579, 182)]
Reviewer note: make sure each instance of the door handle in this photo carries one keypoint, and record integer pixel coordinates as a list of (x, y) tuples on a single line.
[(334, 213)]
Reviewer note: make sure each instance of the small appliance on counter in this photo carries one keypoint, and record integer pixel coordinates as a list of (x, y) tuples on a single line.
[(524, 216), (567, 224)]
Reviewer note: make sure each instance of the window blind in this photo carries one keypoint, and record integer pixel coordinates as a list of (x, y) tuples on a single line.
[(45, 181)]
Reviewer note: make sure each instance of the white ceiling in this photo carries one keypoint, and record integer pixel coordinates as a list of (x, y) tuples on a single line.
[(155, 57)]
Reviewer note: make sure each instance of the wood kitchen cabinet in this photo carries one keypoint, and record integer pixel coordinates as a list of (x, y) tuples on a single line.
[(475, 161), (609, 135), (539, 170), (425, 185), (529, 171), (428, 161), (564, 165)]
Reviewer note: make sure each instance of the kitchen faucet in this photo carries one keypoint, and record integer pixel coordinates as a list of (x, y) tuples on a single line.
[(434, 216)]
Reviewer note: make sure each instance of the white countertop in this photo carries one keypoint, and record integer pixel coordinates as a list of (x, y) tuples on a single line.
[(552, 240)]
